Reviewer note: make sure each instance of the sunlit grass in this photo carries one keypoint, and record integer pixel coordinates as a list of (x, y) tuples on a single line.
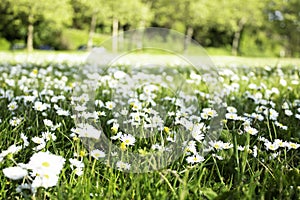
[(255, 157)]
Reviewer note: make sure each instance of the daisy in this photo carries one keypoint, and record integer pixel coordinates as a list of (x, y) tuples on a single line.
[(12, 106), (15, 173), (39, 106), (127, 139), (218, 145), (292, 145), (15, 121), (110, 105), (46, 163), (123, 165), (48, 122), (250, 130), (232, 116), (96, 153), (271, 146), (281, 125), (288, 112), (195, 159)]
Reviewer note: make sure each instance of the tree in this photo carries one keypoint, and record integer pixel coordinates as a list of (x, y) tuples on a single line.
[(285, 21), (10, 26), (56, 12), (181, 13), (94, 11), (235, 15)]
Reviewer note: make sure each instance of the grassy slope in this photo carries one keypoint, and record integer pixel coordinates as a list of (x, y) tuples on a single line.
[(80, 56)]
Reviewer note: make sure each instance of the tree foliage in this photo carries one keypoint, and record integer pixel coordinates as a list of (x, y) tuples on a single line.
[(213, 23)]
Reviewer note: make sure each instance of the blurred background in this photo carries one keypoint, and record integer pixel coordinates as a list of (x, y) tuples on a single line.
[(262, 28)]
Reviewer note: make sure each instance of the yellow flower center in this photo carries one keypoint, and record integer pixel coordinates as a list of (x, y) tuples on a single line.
[(123, 146), (45, 164), (166, 129)]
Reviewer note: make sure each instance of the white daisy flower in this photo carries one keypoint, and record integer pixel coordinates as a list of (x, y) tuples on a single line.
[(127, 139), (15, 173), (110, 105), (195, 159), (12, 106), (271, 146), (288, 112), (250, 130), (96, 153), (123, 165)]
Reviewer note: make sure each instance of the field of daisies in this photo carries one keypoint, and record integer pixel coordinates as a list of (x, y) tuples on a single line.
[(59, 140)]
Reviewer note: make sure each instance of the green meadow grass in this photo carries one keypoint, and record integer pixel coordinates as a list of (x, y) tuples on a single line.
[(224, 174)]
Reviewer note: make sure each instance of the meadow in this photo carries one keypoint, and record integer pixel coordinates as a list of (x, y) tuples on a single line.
[(67, 138)]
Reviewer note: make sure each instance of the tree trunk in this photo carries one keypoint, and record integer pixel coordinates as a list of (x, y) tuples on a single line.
[(188, 38), (121, 39), (30, 34), (92, 32), (139, 43), (115, 35), (237, 37)]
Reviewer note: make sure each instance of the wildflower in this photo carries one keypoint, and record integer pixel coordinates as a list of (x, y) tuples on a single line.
[(116, 136), (254, 151), (250, 130), (96, 153), (283, 82), (218, 145), (86, 130), (227, 145), (10, 150), (167, 129), (191, 147), (257, 116), (80, 108), (273, 114), (127, 139), (288, 112), (123, 146), (209, 112), (101, 113), (217, 156), (281, 125), (292, 145), (110, 105), (45, 180), (12, 106), (99, 103), (45, 163), (285, 105), (48, 122), (15, 173), (197, 132), (195, 159), (123, 165), (280, 143), (39, 106), (62, 112), (271, 146), (115, 128), (15, 121), (48, 136), (25, 139), (38, 140), (232, 116)]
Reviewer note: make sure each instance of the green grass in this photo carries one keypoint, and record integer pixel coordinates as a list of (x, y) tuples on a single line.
[(240, 174), (80, 56)]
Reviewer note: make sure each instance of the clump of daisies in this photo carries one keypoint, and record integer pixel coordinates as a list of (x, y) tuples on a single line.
[(42, 170)]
